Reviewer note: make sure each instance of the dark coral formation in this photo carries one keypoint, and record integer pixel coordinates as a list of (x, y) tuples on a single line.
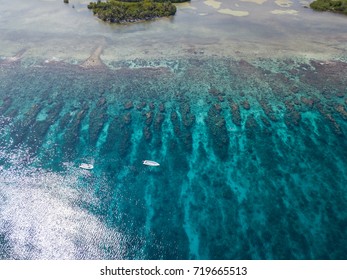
[(64, 120), (292, 116), (141, 105), (128, 105), (341, 109), (40, 128), (214, 91), (147, 133), (149, 116), (71, 135), (6, 103), (325, 74), (235, 112), (246, 105), (161, 108), (119, 135), (97, 119), (267, 109), (188, 120), (251, 127), (24, 126), (218, 131), (265, 121), (309, 102), (176, 123), (328, 116), (159, 119)]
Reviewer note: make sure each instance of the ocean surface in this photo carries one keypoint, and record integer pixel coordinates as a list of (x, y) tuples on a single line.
[(243, 104)]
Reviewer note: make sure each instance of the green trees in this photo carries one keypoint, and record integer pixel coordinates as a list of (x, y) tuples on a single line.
[(132, 10), (337, 6)]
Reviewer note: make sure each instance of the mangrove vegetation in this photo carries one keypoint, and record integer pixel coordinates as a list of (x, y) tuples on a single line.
[(336, 6), (121, 11)]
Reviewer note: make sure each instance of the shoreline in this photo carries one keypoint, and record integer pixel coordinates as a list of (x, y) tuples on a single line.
[(96, 60), (172, 68), (101, 51)]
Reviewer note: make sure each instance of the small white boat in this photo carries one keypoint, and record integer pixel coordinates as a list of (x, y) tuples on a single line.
[(87, 166), (150, 163)]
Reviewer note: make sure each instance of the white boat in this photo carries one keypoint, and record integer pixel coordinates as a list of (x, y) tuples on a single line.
[(150, 163), (87, 166)]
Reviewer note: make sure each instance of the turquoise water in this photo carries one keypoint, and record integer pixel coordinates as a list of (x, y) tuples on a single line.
[(245, 114), (252, 155)]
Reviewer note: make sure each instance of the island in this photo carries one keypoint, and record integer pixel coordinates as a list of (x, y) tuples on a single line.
[(123, 11), (336, 6)]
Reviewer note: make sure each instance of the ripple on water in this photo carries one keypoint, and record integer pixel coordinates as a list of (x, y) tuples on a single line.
[(248, 152)]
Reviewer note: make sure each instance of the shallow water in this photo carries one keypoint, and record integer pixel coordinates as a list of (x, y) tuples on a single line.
[(252, 148), (51, 29)]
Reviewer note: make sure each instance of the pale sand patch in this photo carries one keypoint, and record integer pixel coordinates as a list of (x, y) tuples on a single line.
[(17, 57), (284, 12), (260, 2), (233, 12), (94, 59), (52, 60), (81, 10), (284, 3), (185, 5), (84, 1), (213, 3), (305, 3)]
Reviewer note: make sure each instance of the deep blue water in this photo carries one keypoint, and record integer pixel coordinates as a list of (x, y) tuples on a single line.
[(253, 160)]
